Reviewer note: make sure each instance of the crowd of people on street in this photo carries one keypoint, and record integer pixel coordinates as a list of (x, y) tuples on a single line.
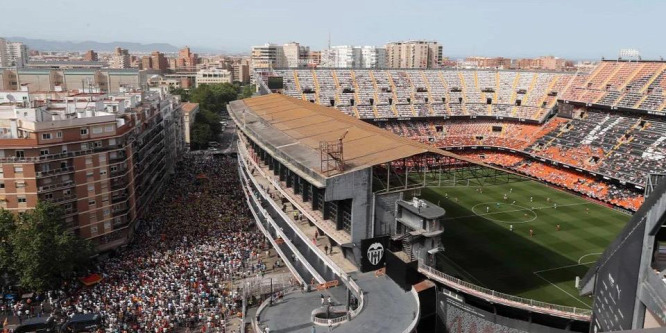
[(178, 273)]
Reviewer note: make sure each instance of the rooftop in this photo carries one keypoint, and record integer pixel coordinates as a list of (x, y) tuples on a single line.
[(189, 107), (425, 209), (294, 128)]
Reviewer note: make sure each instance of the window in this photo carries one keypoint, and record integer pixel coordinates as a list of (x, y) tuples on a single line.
[(84, 131), (20, 184), (2, 185), (102, 157), (97, 144), (48, 196), (93, 230), (84, 146), (22, 200), (91, 188), (64, 148), (44, 152), (20, 154), (107, 212), (102, 172), (107, 225), (59, 134), (88, 160), (63, 165), (112, 142), (98, 130), (108, 128), (91, 202), (46, 136), (66, 192), (18, 169), (89, 173), (114, 168)]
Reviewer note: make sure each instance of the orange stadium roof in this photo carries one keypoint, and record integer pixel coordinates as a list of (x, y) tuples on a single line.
[(295, 128)]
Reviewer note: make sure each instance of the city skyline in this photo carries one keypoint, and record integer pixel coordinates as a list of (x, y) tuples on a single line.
[(589, 30)]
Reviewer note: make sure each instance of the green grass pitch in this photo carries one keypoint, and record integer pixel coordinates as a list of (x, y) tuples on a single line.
[(481, 248)]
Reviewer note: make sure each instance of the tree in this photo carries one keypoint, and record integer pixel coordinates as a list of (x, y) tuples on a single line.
[(184, 94), (44, 252), (214, 97), (247, 91), (7, 229), (201, 135)]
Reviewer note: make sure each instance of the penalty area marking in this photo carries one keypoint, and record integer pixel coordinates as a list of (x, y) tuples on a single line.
[(491, 204), (562, 290), (589, 254)]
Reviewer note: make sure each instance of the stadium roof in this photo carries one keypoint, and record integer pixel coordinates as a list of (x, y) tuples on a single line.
[(295, 128)]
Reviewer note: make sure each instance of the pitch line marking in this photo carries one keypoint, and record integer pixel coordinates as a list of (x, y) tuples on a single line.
[(564, 291), (567, 266), (518, 210), (589, 254), (534, 215)]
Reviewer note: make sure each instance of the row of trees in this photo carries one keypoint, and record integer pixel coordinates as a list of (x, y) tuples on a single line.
[(212, 99), (37, 252)]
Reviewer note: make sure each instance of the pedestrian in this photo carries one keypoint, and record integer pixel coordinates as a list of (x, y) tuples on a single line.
[(558, 227), (325, 249), (531, 232), (330, 301), (511, 227), (322, 299)]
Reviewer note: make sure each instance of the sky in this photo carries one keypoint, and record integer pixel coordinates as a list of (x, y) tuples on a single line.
[(583, 29)]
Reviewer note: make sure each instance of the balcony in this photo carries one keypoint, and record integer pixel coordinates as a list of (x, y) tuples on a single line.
[(55, 172), (64, 198), (54, 187), (117, 185)]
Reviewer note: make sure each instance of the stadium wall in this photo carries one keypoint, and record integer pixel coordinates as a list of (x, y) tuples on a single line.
[(461, 314)]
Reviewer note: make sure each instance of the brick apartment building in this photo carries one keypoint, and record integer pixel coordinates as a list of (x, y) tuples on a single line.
[(103, 159)]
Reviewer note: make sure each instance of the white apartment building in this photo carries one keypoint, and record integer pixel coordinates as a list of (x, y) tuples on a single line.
[(213, 75), (342, 56), (347, 56), (373, 57), (296, 55), (268, 56), (12, 53)]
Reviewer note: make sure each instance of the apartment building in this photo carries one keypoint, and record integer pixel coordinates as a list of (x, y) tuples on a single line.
[(268, 56), (296, 55), (414, 54), (102, 159), (12, 53), (91, 55), (120, 59), (241, 71), (66, 79), (213, 75)]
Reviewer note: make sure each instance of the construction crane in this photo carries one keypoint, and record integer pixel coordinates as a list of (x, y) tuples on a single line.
[(332, 157)]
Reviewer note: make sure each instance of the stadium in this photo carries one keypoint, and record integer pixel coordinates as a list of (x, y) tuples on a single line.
[(528, 184)]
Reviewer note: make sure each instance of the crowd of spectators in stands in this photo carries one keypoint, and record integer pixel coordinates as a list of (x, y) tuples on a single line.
[(178, 272)]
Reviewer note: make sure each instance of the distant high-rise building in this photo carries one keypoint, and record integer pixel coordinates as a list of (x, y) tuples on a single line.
[(373, 57), (213, 75), (413, 54), (120, 59), (296, 55), (146, 62), (268, 56), (187, 58), (342, 56), (314, 58), (91, 56), (12, 53), (241, 71), (159, 61)]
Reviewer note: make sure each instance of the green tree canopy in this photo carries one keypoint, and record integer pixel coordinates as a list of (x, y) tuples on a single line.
[(44, 252)]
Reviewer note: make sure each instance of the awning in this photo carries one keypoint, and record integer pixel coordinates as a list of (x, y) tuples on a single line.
[(91, 279)]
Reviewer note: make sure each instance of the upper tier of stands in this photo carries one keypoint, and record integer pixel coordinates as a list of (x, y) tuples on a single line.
[(622, 84), (400, 93)]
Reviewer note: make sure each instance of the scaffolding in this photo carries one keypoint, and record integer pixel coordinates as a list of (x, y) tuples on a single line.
[(332, 155)]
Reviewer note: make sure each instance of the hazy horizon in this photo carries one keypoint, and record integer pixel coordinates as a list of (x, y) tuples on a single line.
[(518, 28)]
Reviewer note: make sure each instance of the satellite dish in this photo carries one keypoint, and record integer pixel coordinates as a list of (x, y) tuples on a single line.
[(11, 98)]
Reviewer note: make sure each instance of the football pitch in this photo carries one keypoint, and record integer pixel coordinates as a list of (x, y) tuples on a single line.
[(487, 238)]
